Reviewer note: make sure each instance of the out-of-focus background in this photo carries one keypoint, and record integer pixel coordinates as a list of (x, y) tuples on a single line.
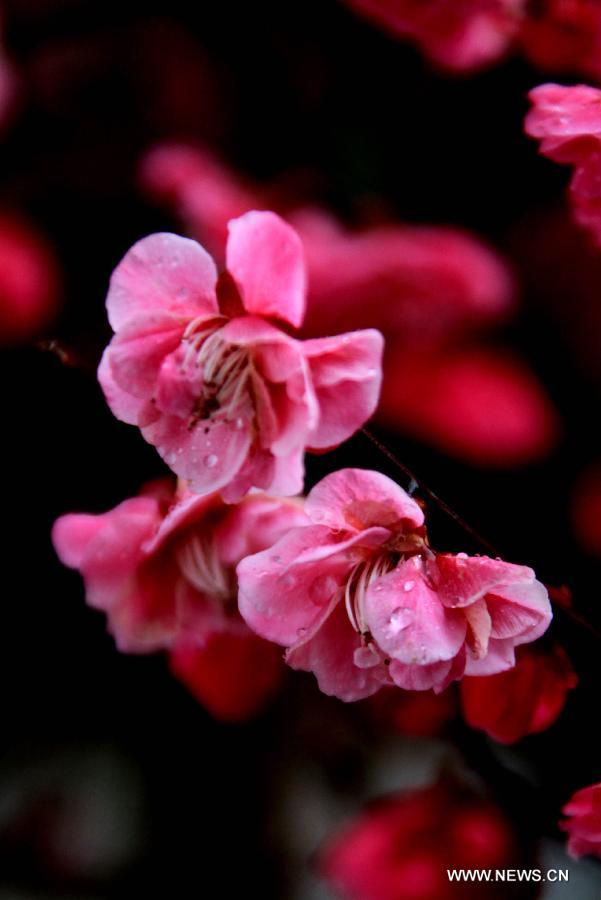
[(114, 781)]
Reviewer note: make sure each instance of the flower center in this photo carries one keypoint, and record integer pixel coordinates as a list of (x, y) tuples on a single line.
[(226, 370), (201, 566), (361, 577)]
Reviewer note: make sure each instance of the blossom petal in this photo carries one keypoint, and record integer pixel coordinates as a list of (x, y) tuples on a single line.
[(355, 499), (465, 579), (407, 619), (265, 257), (349, 366), (330, 652), (285, 591), (208, 455), (162, 273)]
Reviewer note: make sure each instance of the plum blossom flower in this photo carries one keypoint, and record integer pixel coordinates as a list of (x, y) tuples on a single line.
[(230, 400), (161, 566), (524, 700), (358, 597), (583, 822), (426, 288), (459, 35), (402, 845), (567, 122)]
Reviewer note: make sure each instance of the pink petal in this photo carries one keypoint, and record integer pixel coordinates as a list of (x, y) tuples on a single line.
[(500, 656), (360, 498), (72, 535), (138, 351), (407, 619), (162, 273), (286, 590), (465, 579), (125, 406), (254, 524), (265, 257), (209, 455), (349, 366), (330, 652), (519, 611)]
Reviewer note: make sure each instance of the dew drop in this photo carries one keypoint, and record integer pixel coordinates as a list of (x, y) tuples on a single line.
[(400, 618), (408, 586), (239, 423), (210, 461)]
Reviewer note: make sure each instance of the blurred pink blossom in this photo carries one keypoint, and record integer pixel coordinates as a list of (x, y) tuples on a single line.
[(231, 400), (567, 122), (583, 822), (162, 568), (400, 847), (359, 598), (30, 282), (460, 35)]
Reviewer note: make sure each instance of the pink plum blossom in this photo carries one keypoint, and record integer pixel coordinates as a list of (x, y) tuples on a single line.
[(426, 288), (583, 822), (230, 400), (358, 597), (161, 566), (567, 122), (459, 35)]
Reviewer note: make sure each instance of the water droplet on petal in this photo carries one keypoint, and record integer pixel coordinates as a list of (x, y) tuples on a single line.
[(400, 618), (301, 632), (239, 423), (210, 461)]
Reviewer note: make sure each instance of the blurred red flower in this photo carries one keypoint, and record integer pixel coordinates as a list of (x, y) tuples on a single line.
[(524, 700), (416, 713), (586, 509), (231, 675), (29, 281), (564, 36), (401, 848), (583, 822)]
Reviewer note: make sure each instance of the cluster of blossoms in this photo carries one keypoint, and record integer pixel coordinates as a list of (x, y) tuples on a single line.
[(222, 566), (205, 365)]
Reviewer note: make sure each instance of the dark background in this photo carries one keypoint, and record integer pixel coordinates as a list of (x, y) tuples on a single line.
[(303, 87)]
